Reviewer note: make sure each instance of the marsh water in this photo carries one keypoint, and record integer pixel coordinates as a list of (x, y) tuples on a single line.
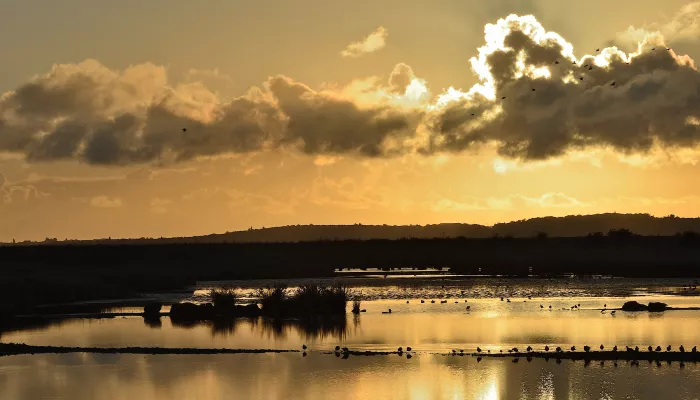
[(522, 318)]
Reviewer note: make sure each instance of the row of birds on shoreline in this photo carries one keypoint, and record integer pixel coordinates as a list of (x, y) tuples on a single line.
[(530, 349), (587, 349)]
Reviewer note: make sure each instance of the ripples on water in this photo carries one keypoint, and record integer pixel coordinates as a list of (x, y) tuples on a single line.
[(290, 376), (376, 287), (427, 327)]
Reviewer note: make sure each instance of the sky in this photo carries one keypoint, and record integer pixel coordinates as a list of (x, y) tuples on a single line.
[(178, 118)]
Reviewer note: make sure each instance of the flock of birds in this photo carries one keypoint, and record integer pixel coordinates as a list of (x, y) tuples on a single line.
[(575, 307), (589, 67)]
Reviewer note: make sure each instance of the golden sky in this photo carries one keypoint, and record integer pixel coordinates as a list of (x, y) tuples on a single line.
[(330, 112)]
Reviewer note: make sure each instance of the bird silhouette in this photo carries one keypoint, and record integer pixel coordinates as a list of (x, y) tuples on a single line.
[(653, 48), (694, 350), (668, 348), (585, 66), (573, 348), (408, 348), (658, 348), (478, 349), (612, 312), (546, 348), (612, 84), (614, 348), (597, 50), (556, 62), (503, 98), (668, 49), (337, 348), (184, 129), (650, 349), (303, 346), (586, 348), (681, 349), (400, 350), (602, 347), (529, 349), (581, 78), (590, 68), (533, 89)]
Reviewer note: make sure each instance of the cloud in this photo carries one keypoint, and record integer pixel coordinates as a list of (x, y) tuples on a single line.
[(574, 104), (22, 192), (536, 100), (371, 43), (105, 202), (683, 26), (159, 206), (322, 161), (90, 113), (510, 202)]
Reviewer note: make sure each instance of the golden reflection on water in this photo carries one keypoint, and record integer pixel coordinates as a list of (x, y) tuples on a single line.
[(490, 324), (318, 376)]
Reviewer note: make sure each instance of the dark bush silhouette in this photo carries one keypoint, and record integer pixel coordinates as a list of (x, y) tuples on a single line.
[(652, 307), (657, 306), (305, 300), (356, 306), (633, 306), (621, 233), (152, 309), (223, 299)]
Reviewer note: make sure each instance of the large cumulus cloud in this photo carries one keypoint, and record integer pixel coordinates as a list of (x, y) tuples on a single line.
[(536, 98)]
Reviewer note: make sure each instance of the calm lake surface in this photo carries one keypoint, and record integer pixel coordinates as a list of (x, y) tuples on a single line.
[(429, 328)]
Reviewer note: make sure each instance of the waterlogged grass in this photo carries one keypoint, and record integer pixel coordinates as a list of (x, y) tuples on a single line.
[(303, 301), (225, 298)]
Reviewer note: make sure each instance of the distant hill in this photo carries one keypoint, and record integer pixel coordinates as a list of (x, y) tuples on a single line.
[(569, 226)]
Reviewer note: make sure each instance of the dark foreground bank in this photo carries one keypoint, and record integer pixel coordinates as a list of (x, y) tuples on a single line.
[(55, 273)]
